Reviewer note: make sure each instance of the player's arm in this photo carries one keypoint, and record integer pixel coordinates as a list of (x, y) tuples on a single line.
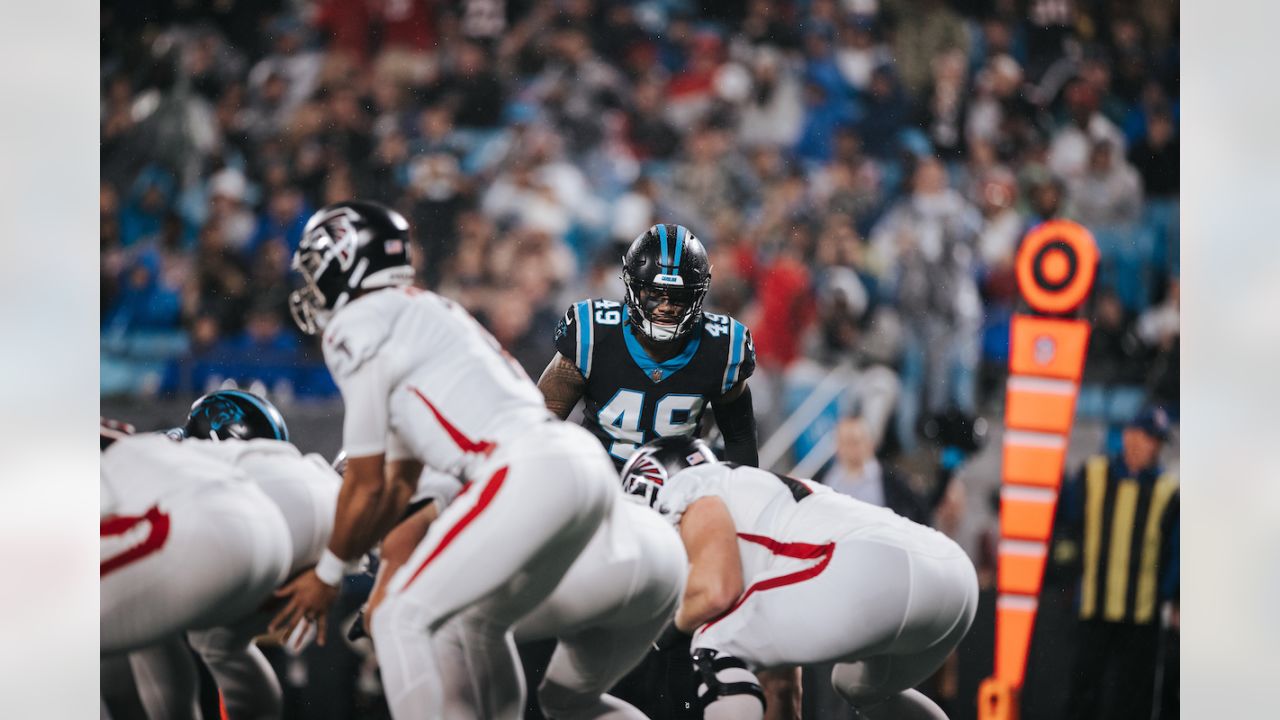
[(374, 495), (715, 569), (562, 385), (736, 419)]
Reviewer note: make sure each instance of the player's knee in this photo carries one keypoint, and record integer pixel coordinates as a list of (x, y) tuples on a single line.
[(727, 689)]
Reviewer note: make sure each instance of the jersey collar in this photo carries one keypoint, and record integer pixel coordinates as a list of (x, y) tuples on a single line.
[(658, 371)]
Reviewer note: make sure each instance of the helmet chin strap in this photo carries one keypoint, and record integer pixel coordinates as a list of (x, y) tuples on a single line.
[(657, 332)]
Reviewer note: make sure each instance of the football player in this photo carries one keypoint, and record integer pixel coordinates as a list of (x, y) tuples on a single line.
[(648, 366), (195, 536), (424, 383), (612, 604), (786, 572)]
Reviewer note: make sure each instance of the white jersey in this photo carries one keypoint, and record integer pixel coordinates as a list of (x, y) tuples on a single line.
[(150, 470), (303, 487), (421, 378), (775, 510), (187, 541)]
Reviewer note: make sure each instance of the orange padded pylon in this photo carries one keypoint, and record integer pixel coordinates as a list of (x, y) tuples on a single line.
[(1027, 513), (997, 700), (1033, 464), (1047, 347), (1015, 619), (1056, 265), (1021, 567), (1040, 405)]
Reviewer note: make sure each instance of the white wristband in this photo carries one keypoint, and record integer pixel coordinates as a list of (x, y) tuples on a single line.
[(331, 568)]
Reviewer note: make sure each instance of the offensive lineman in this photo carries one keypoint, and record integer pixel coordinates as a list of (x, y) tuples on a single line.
[(611, 605), (424, 383), (786, 572), (244, 515)]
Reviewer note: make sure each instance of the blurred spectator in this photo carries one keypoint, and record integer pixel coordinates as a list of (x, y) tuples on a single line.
[(859, 52), (924, 30), (474, 90), (712, 176), (858, 473), (773, 113), (943, 110), (264, 335), (1108, 193), (767, 23), (884, 115), (576, 86), (1156, 157), (825, 113), (923, 252), (1050, 29), (1115, 367), (1159, 328), (292, 63), (651, 135), (786, 303), (227, 209), (145, 302), (285, 216), (1069, 149), (144, 210)]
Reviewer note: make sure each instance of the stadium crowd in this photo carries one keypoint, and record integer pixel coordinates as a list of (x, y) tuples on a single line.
[(861, 172)]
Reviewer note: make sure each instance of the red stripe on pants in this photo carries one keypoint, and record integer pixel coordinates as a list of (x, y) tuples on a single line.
[(803, 551), (486, 496)]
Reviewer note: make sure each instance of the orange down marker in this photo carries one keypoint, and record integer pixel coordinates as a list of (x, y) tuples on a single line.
[(1055, 266)]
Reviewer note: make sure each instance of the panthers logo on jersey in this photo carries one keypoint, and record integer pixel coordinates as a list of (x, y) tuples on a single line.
[(630, 398)]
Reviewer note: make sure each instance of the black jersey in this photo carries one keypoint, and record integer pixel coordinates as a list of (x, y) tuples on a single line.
[(631, 399)]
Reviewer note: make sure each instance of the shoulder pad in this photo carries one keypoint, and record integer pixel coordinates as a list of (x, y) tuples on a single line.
[(577, 330), (352, 337), (688, 485), (740, 354)]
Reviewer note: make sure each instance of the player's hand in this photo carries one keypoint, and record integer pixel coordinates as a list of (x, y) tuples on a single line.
[(309, 599)]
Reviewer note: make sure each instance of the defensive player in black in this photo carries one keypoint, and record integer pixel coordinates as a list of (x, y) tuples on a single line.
[(647, 367)]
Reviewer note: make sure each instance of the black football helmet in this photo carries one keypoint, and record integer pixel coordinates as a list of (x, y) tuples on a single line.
[(346, 248), (667, 261), (234, 414), (656, 462)]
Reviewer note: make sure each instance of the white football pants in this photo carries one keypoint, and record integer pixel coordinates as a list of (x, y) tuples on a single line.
[(495, 553), (613, 603), (888, 614), (198, 560)]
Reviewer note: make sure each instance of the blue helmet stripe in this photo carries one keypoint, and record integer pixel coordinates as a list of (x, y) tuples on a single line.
[(681, 231), (662, 236)]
